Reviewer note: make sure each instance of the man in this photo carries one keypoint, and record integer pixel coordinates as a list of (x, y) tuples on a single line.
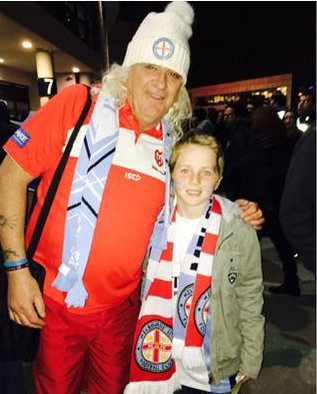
[(306, 108), (278, 102), (237, 148), (298, 204), (109, 198), (202, 121)]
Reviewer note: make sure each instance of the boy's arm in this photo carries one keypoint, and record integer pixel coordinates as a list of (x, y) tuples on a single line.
[(249, 291)]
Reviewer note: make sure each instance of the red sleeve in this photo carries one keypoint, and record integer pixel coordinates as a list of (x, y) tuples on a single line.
[(38, 143)]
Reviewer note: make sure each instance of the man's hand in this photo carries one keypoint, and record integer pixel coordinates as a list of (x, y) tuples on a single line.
[(241, 376), (251, 213), (25, 300)]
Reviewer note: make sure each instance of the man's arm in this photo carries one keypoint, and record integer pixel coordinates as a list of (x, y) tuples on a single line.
[(24, 297)]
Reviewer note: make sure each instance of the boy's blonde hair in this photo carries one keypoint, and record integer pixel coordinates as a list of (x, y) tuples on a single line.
[(196, 138)]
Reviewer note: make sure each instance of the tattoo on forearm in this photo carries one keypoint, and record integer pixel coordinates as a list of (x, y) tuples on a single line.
[(9, 253), (10, 221)]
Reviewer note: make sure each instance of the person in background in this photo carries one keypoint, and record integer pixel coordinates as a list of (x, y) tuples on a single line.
[(293, 133), (202, 121), (298, 204), (7, 128), (306, 109), (203, 290), (278, 102), (237, 145), (270, 164), (95, 240), (213, 115)]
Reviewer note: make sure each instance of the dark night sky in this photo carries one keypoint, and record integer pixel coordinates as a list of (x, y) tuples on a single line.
[(241, 40)]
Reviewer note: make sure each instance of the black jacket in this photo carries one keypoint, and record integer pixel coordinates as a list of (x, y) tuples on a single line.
[(298, 204)]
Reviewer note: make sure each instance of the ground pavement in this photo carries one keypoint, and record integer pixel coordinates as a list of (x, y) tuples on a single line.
[(289, 365)]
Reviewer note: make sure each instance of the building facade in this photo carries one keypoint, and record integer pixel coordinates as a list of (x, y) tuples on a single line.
[(46, 46)]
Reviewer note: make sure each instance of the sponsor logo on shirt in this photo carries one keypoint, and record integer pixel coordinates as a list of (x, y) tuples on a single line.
[(133, 177), (21, 138)]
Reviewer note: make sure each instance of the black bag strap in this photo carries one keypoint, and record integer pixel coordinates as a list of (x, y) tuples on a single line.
[(55, 181)]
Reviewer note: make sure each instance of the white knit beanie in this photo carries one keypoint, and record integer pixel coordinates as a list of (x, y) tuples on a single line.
[(162, 39)]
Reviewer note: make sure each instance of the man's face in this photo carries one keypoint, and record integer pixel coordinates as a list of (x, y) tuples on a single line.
[(289, 120), (152, 90), (305, 105), (229, 116)]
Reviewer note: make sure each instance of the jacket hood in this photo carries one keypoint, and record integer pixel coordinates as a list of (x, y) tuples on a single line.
[(229, 208)]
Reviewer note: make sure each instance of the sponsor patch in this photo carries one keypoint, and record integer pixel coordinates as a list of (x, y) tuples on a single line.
[(184, 304), (153, 350), (21, 137), (201, 312), (163, 48), (233, 273)]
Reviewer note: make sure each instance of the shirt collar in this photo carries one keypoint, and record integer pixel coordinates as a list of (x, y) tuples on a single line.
[(128, 120)]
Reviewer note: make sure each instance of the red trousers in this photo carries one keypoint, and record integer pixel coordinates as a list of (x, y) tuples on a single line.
[(85, 352)]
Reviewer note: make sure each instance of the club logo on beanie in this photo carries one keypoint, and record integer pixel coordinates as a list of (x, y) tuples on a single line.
[(151, 45), (163, 48)]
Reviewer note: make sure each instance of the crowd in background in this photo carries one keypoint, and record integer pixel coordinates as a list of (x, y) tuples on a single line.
[(258, 138)]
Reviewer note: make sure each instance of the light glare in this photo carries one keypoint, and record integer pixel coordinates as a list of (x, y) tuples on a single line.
[(27, 44)]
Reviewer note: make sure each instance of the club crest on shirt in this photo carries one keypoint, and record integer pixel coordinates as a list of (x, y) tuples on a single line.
[(163, 48), (201, 312), (184, 304), (153, 351), (233, 273), (159, 157)]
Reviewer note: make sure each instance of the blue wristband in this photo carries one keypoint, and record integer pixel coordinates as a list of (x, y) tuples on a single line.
[(9, 264)]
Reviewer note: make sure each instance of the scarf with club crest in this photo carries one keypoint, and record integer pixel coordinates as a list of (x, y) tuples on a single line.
[(162, 335)]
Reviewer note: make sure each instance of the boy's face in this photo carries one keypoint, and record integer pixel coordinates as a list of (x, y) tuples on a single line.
[(195, 178)]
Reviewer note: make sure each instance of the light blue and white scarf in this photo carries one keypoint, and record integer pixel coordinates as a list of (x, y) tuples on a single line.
[(86, 194)]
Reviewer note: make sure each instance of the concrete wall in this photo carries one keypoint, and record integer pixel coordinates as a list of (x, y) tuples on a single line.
[(8, 74), (65, 80)]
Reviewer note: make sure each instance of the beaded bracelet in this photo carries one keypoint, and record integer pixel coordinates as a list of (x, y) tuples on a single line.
[(17, 267), (9, 264)]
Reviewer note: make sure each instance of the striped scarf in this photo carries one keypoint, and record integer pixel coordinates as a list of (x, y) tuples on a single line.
[(92, 169), (162, 335), (88, 184)]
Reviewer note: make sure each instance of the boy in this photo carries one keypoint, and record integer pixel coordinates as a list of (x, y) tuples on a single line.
[(200, 326)]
